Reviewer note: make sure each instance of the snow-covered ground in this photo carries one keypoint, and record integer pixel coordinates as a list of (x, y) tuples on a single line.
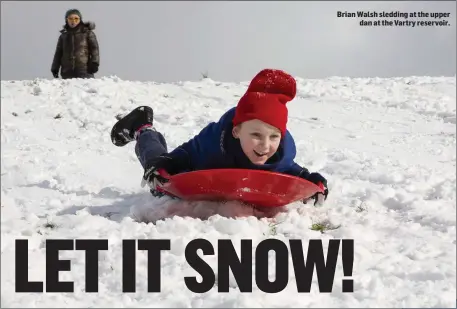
[(387, 147)]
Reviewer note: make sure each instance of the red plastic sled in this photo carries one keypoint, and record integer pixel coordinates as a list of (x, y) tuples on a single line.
[(257, 187)]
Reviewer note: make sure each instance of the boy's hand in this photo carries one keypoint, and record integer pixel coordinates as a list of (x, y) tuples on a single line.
[(319, 198), (93, 67), (151, 171)]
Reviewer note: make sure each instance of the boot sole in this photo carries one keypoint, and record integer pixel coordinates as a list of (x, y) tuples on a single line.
[(117, 130)]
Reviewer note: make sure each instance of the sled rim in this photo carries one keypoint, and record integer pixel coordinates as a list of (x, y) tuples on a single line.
[(251, 196)]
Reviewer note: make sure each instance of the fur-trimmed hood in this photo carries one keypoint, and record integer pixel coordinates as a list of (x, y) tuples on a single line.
[(88, 25)]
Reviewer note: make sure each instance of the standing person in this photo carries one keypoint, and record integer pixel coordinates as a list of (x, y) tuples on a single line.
[(77, 52)]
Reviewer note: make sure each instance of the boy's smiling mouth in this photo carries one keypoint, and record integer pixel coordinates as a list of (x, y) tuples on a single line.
[(260, 155)]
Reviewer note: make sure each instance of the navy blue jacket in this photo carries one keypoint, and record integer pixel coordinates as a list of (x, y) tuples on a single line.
[(215, 147)]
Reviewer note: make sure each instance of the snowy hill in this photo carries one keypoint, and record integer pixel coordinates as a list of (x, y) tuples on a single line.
[(386, 146)]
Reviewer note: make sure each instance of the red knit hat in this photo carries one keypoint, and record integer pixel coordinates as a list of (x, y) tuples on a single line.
[(266, 99)]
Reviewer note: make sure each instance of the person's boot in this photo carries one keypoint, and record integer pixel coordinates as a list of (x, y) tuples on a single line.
[(123, 132)]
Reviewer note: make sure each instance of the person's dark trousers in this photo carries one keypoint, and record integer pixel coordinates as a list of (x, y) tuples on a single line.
[(150, 144), (72, 74)]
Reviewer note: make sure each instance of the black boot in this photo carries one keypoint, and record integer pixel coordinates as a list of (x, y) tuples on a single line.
[(123, 131)]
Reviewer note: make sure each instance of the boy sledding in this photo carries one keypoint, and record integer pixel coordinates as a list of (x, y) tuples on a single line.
[(253, 135)]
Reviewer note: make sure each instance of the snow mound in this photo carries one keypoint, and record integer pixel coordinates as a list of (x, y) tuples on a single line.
[(387, 147)]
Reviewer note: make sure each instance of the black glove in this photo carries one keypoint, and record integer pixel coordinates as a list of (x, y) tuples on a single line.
[(55, 73), (93, 67), (151, 174), (318, 179)]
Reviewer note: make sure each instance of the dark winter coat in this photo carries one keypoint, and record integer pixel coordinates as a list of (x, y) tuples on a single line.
[(215, 147), (77, 52)]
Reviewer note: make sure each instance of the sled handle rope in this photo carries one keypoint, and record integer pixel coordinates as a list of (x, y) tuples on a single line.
[(164, 174)]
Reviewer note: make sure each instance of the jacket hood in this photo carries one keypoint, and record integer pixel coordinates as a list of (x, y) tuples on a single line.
[(89, 25)]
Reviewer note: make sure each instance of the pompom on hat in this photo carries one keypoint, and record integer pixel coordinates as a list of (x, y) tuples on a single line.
[(266, 99)]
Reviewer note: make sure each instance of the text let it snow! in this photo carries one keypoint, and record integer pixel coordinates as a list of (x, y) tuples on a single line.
[(227, 260)]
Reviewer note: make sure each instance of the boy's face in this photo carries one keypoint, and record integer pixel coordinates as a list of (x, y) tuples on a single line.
[(258, 140), (73, 20)]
